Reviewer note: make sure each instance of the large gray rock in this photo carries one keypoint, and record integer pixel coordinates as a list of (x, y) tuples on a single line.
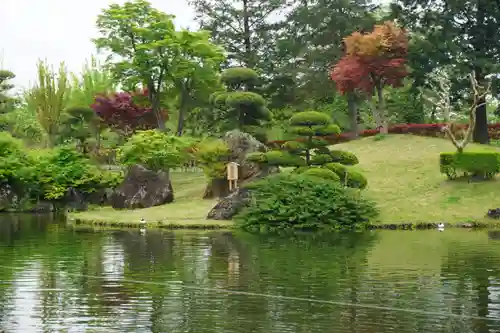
[(240, 144), (229, 206), (8, 198), (142, 188)]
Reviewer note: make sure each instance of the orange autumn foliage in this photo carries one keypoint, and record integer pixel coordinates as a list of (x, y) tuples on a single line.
[(372, 60)]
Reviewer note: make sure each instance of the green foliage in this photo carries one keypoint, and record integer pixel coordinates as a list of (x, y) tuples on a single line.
[(348, 176), (282, 158), (48, 174), (344, 157), (212, 156), (12, 157), (239, 77), (152, 53), (48, 98), (6, 102), (155, 150), (239, 107), (310, 118), (291, 202), (322, 173), (484, 164)]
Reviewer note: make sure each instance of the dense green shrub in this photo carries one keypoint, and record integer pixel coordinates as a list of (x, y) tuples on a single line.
[(484, 164), (47, 174), (50, 173), (212, 156), (12, 157), (343, 157), (348, 176), (321, 173), (156, 150), (298, 202)]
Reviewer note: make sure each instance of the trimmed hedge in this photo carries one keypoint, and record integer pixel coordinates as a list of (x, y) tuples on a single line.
[(433, 130), (485, 164), (348, 176)]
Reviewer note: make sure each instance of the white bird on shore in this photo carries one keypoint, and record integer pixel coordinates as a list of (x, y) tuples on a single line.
[(441, 226), (142, 222)]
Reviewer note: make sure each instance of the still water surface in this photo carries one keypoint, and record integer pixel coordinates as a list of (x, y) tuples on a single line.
[(54, 278)]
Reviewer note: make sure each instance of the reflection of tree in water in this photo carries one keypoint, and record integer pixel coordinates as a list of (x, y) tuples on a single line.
[(307, 266), (471, 273)]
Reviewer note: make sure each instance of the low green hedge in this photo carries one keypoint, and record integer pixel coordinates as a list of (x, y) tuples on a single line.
[(484, 164)]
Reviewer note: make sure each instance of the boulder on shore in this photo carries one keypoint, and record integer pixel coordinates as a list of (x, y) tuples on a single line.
[(240, 144), (142, 188), (229, 206)]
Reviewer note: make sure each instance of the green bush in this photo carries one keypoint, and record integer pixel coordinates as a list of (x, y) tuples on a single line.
[(283, 158), (296, 202), (12, 157), (348, 177), (485, 164), (320, 159), (212, 156), (344, 157), (46, 174), (50, 173), (321, 173), (156, 150)]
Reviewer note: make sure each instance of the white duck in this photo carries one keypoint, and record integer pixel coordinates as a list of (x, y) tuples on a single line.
[(440, 226)]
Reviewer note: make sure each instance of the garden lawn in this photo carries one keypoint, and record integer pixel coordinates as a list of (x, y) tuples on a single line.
[(405, 182), (187, 211)]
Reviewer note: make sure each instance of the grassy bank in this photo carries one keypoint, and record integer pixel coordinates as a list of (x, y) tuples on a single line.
[(404, 179), (188, 211)]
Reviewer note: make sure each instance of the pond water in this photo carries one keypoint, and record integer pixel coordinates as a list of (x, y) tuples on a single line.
[(54, 278)]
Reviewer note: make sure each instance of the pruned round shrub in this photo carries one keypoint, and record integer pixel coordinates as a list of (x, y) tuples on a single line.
[(356, 179), (297, 202), (240, 99), (212, 156), (322, 173), (283, 158), (320, 159), (344, 157), (310, 118), (256, 157), (236, 76), (338, 168), (293, 146), (348, 176)]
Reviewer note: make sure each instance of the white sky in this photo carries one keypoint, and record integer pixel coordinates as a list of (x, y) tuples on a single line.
[(59, 30)]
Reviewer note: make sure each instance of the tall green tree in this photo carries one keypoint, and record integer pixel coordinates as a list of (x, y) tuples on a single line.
[(147, 50), (6, 101), (244, 27), (465, 34), (48, 98), (196, 73)]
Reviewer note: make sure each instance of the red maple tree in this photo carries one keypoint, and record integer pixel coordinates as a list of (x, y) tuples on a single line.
[(372, 61), (126, 112)]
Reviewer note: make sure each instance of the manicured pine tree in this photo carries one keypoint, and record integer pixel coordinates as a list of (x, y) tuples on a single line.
[(240, 105)]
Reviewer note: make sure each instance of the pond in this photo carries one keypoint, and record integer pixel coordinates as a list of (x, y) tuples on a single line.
[(55, 278)]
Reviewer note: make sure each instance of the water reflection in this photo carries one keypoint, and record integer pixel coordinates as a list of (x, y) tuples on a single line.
[(56, 279)]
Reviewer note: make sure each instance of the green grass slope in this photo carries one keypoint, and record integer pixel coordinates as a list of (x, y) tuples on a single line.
[(404, 179)]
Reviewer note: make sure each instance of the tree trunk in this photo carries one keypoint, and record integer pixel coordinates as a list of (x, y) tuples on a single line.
[(383, 127), (480, 133), (353, 115), (217, 188), (249, 61), (182, 112)]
